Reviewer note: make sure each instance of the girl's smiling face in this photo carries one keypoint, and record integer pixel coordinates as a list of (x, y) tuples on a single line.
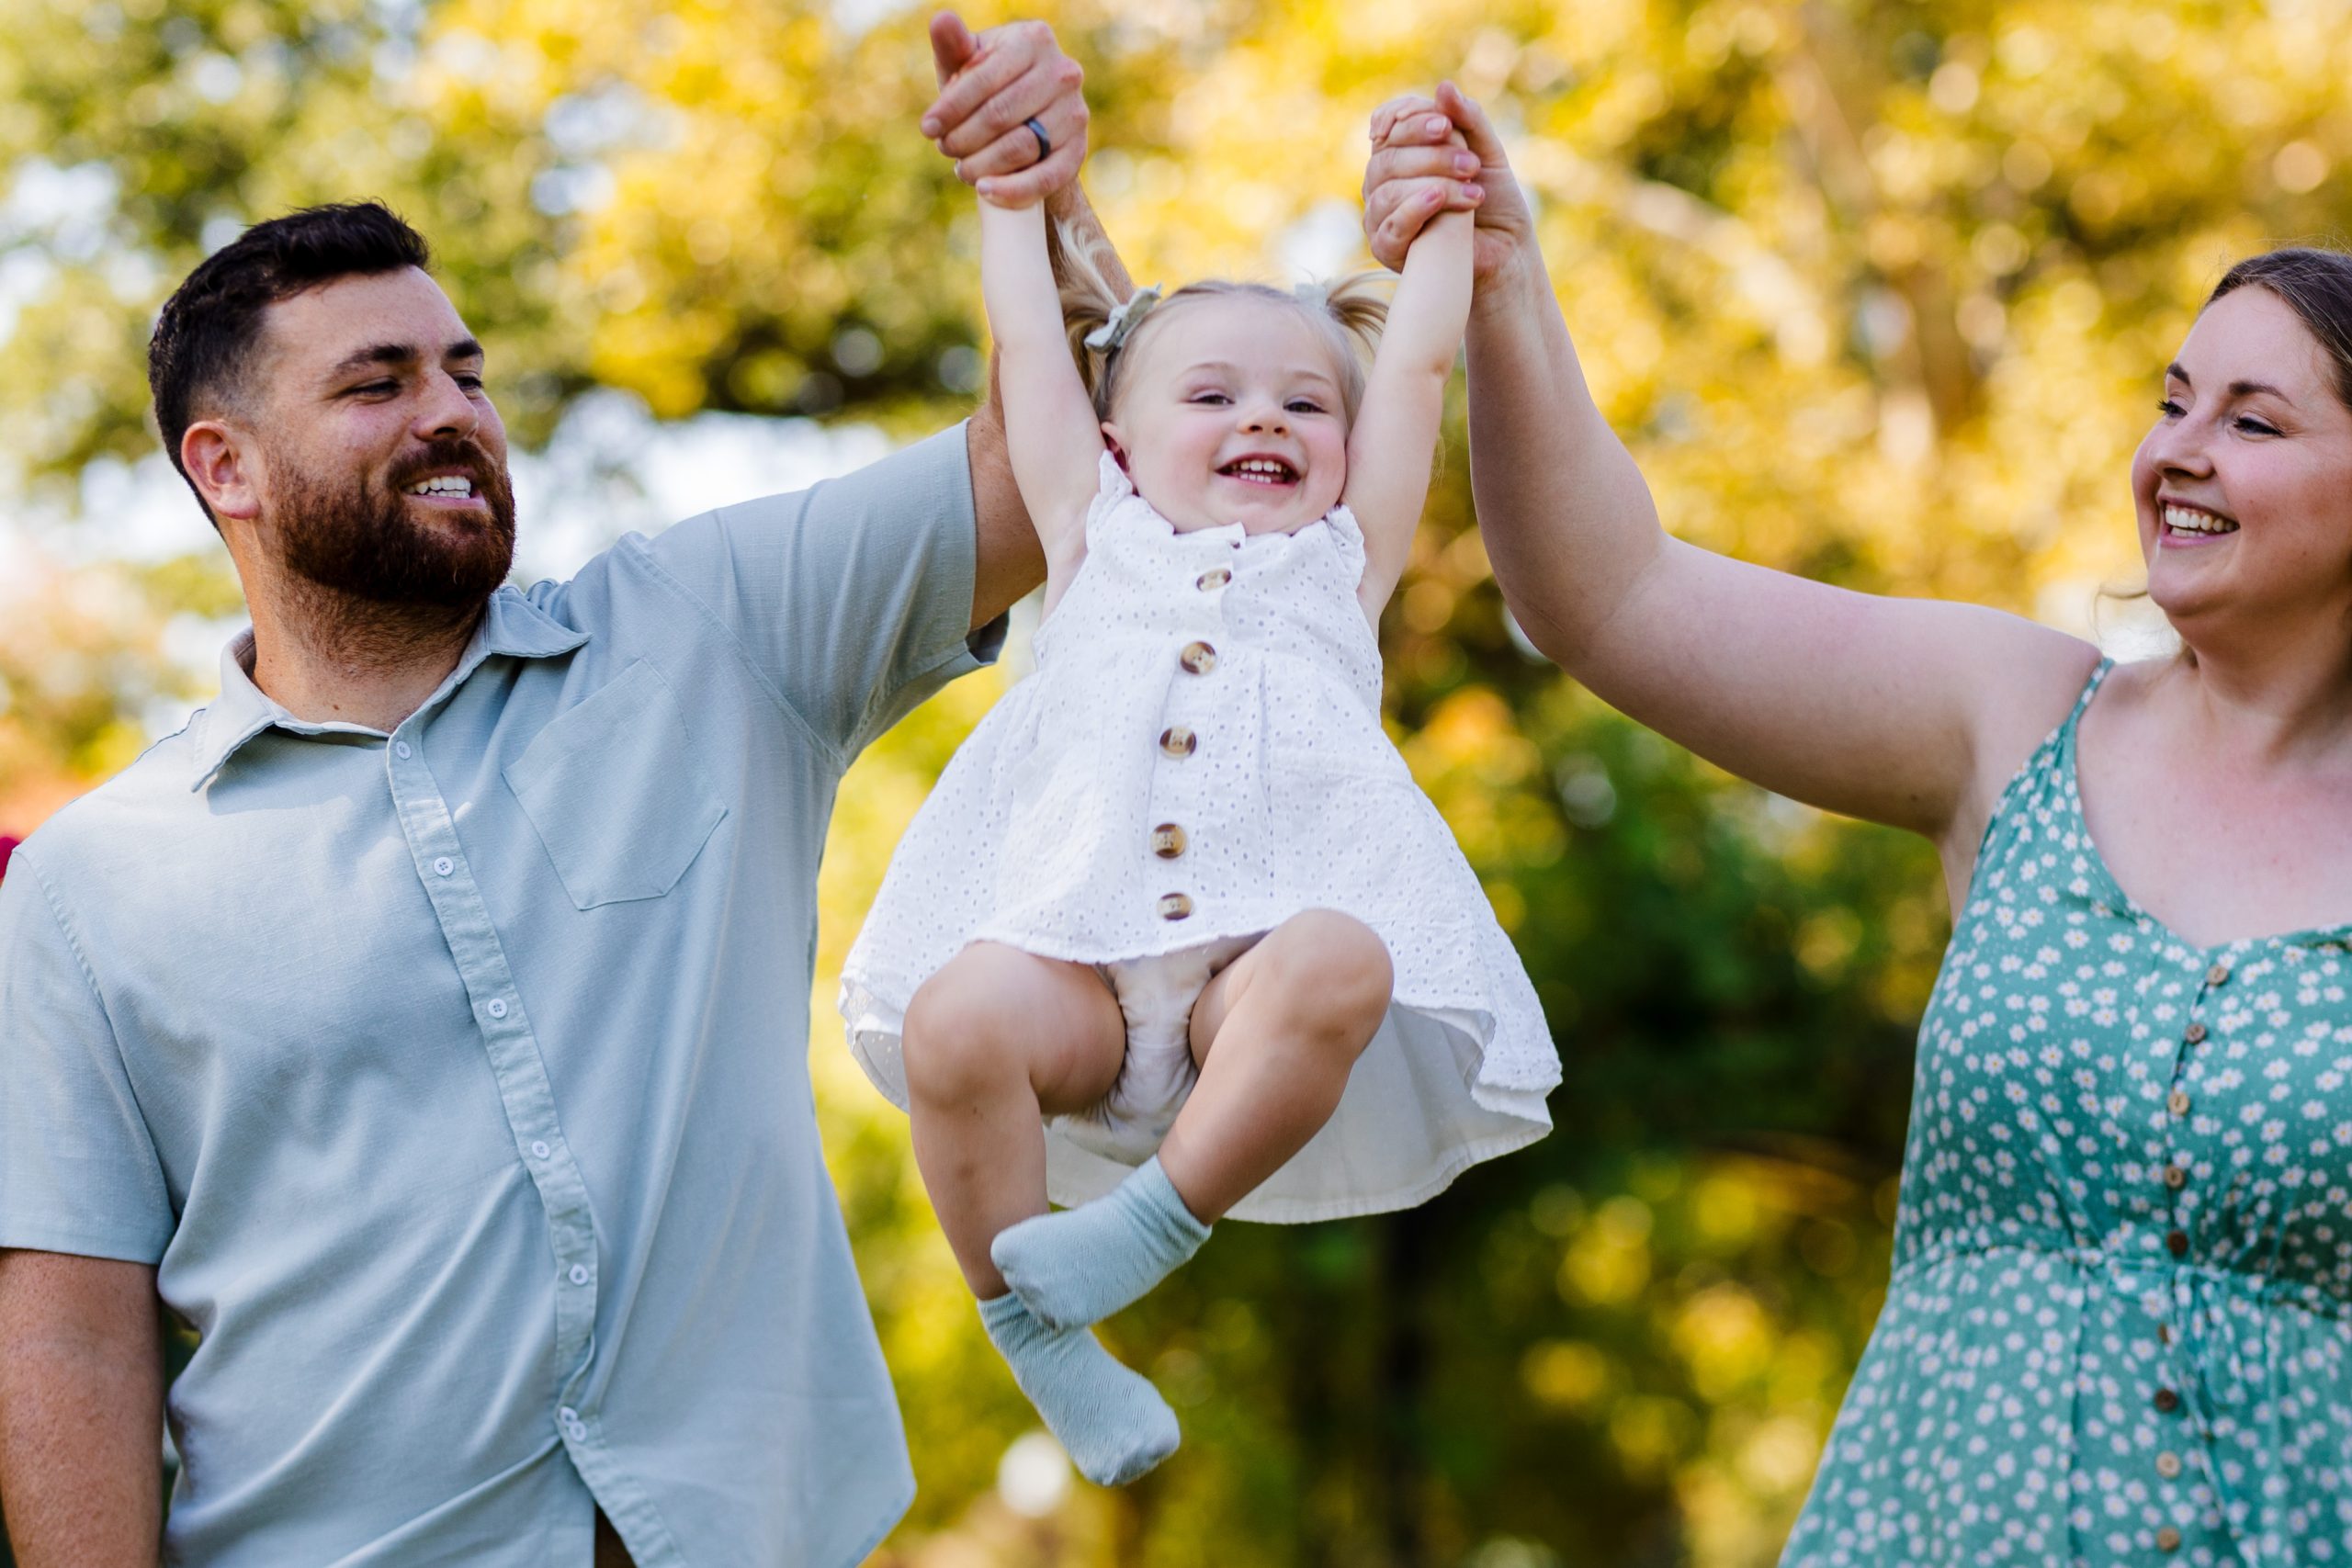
[(2245, 485), (1232, 412)]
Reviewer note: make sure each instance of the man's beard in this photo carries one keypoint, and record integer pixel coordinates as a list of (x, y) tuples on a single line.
[(359, 538)]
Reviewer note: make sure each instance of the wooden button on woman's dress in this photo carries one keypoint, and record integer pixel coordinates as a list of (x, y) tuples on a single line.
[(2177, 1243), (2177, 1102), (1198, 657), (1174, 906), (2167, 1540), (1167, 840), (2194, 1034), (2168, 1465), (2166, 1401), (2218, 976), (2175, 1177), (1178, 740)]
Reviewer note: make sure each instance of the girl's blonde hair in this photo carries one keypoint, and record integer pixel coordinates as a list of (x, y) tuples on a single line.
[(1348, 314)]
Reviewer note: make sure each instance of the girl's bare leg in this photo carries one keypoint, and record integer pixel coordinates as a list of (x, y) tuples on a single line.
[(1276, 1034), (995, 1040)]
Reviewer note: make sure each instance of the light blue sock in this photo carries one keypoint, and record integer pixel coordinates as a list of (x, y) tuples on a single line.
[(1111, 1421), (1081, 1264)]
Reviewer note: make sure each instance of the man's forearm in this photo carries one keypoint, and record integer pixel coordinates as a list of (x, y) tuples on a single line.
[(1567, 517), (80, 1411)]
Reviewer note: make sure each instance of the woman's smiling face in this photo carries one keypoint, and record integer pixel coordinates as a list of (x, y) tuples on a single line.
[(1232, 412), (2245, 484)]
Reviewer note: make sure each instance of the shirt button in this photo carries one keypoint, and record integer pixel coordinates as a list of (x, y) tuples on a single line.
[(1178, 740), (2167, 1465), (2167, 1540), (1212, 580), (497, 1008), (2176, 1179), (2194, 1034), (2218, 976), (443, 865), (2166, 1401), (580, 1273), (2177, 1243), (567, 1417), (540, 1149), (1167, 840), (1174, 906), (399, 750), (1198, 657), (2177, 1102)]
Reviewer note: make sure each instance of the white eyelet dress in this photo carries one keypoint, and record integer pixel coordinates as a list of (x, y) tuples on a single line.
[(1198, 756)]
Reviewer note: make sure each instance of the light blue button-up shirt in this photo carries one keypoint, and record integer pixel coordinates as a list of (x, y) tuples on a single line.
[(455, 1080)]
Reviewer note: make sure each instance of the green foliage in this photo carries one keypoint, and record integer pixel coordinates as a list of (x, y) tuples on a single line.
[(1877, 292)]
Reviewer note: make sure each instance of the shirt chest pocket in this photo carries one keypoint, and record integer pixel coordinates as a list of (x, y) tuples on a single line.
[(616, 793)]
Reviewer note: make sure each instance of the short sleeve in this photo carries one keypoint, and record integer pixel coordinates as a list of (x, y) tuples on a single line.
[(854, 597), (78, 1171)]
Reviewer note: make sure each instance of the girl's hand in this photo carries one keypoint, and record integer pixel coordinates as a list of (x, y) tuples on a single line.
[(991, 86), (1433, 155)]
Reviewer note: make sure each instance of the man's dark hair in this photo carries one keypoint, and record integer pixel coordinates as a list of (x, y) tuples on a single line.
[(206, 333)]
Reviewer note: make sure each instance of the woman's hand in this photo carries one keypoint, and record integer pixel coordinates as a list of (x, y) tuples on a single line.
[(991, 87), (1433, 155)]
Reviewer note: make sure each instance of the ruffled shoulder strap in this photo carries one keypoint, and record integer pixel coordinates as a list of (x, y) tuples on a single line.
[(1112, 488), (1348, 534)]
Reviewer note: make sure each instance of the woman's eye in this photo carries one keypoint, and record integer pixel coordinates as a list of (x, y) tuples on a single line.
[(2169, 409), (2254, 427)]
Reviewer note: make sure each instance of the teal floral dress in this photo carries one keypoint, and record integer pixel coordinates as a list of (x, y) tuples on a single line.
[(2120, 1325)]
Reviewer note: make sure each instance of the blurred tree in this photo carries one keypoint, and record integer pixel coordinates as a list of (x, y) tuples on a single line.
[(1877, 292)]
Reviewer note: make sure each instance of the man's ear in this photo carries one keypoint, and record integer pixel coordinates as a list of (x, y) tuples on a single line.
[(225, 467)]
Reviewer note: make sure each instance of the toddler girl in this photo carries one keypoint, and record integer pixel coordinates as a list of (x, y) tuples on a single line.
[(1178, 896)]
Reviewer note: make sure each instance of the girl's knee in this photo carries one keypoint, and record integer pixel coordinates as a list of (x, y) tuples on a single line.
[(1339, 967), (963, 1028)]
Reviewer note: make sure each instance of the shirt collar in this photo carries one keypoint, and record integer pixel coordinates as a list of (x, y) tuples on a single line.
[(511, 626)]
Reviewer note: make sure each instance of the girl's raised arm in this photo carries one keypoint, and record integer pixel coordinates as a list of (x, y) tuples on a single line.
[(1403, 401), (1050, 428)]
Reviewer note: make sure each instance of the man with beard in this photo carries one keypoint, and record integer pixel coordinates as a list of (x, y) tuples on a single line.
[(425, 1021)]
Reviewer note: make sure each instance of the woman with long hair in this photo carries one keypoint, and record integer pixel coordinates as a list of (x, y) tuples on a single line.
[(2119, 1322)]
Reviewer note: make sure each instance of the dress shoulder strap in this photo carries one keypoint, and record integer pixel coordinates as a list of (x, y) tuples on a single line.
[(2044, 776), (2083, 703), (2089, 687), (1112, 487)]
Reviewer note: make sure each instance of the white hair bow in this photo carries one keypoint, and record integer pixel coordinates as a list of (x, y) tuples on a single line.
[(1126, 317)]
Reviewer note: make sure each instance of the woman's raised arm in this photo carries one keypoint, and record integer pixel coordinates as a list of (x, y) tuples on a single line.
[(1904, 711)]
